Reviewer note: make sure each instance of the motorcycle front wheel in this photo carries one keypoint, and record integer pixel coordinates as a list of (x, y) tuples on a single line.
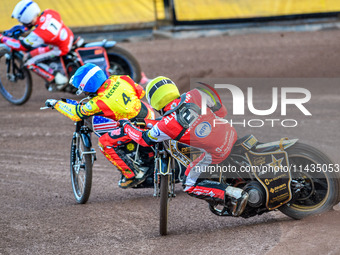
[(164, 204), (81, 170), (15, 79), (317, 179), (123, 63)]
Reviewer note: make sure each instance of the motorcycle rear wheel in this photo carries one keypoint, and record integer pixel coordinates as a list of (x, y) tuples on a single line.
[(16, 89), (321, 189), (164, 204), (81, 170), (123, 63)]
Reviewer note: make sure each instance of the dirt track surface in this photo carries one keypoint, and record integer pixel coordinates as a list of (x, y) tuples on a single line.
[(39, 214)]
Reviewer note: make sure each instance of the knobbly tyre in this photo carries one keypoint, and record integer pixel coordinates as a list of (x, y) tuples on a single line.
[(15, 78)]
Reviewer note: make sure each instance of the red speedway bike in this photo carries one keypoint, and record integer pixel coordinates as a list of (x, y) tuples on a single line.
[(16, 81)]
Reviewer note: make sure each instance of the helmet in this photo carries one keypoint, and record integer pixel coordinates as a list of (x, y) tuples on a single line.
[(25, 11), (161, 91), (88, 78)]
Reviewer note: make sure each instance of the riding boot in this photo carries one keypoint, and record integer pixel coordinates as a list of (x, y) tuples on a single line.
[(139, 177)]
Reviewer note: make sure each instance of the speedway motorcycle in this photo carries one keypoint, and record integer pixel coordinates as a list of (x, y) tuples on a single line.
[(15, 78)]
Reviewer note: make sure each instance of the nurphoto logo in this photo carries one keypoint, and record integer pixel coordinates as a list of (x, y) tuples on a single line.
[(280, 99)]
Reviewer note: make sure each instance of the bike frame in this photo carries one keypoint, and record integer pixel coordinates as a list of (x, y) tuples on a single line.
[(12, 68), (83, 132)]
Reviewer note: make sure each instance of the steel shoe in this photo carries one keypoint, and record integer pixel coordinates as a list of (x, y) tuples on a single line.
[(140, 177)]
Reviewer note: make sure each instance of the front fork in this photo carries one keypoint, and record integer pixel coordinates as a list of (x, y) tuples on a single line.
[(164, 165), (82, 135), (13, 71)]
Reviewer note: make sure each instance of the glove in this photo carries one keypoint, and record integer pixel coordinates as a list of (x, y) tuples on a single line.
[(51, 103), (123, 122), (1, 36)]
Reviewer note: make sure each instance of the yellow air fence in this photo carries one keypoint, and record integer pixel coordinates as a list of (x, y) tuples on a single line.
[(195, 10), (101, 15)]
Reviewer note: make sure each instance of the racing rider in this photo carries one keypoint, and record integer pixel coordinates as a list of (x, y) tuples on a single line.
[(182, 120), (49, 30), (116, 98)]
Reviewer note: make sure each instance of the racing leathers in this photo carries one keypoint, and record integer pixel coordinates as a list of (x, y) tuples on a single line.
[(49, 30), (187, 124), (118, 98)]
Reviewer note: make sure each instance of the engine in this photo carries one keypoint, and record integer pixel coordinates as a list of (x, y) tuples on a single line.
[(257, 194)]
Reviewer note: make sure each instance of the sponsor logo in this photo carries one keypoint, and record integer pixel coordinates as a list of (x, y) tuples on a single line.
[(14, 44), (278, 188), (169, 118), (151, 136), (88, 106), (112, 90), (154, 133), (259, 161), (116, 132), (130, 147), (66, 109), (203, 130), (63, 34), (133, 134), (42, 73), (204, 193)]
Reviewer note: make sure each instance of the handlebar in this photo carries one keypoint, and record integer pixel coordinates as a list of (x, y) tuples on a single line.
[(15, 31)]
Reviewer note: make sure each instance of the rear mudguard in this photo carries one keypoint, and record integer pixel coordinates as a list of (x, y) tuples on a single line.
[(275, 146), (105, 44)]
